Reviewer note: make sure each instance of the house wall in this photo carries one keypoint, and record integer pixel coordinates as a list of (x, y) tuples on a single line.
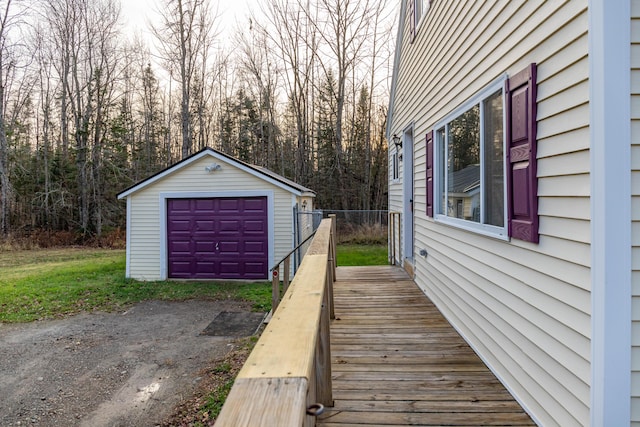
[(635, 214), (524, 307), (144, 216)]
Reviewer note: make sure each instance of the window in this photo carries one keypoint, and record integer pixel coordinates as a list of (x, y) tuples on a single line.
[(395, 166), (481, 162), (470, 183), (422, 6), (416, 10)]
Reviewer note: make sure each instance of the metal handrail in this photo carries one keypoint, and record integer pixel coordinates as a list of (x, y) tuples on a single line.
[(286, 279), (276, 265)]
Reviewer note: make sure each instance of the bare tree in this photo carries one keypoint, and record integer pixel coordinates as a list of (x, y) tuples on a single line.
[(258, 68), (185, 38), (85, 33), (344, 28), (290, 30), (12, 89)]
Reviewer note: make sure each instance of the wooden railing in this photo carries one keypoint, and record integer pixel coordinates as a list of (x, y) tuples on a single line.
[(288, 373)]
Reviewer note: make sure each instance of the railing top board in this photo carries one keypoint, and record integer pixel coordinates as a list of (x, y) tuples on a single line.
[(287, 345)]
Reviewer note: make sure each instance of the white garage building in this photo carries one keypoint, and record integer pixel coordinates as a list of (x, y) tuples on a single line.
[(211, 216)]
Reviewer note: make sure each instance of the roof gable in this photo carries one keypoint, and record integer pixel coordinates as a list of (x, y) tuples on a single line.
[(256, 171)]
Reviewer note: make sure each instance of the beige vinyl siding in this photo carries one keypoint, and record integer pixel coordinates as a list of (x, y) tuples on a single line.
[(524, 307), (635, 211), (145, 210), (144, 236)]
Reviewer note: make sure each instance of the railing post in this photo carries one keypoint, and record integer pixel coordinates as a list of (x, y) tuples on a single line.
[(324, 386), (285, 279), (275, 289), (393, 236), (334, 239), (331, 267)]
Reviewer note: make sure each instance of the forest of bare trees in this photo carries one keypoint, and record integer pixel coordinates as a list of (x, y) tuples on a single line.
[(87, 109)]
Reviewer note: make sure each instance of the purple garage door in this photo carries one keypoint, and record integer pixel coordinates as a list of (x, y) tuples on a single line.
[(217, 238)]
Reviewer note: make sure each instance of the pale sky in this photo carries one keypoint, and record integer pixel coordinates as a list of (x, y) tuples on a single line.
[(136, 13)]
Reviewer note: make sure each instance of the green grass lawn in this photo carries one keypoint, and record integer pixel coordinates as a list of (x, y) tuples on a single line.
[(354, 255), (43, 284)]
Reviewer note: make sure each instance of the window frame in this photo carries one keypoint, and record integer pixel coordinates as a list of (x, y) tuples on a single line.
[(421, 9), (499, 232), (395, 166)]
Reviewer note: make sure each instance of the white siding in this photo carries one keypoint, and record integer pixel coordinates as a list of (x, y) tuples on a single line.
[(144, 225), (635, 206), (525, 308)]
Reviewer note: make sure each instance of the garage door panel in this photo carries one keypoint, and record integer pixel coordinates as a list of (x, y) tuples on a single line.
[(252, 245), (205, 267), (229, 248), (254, 267), (208, 247), (181, 205), (253, 226), (203, 205), (230, 268), (224, 238), (180, 269), (205, 225), (177, 225), (230, 206), (230, 226), (180, 246), (257, 204)]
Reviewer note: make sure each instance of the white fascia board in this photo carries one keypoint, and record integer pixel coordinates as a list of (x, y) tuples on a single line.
[(396, 67), (163, 174)]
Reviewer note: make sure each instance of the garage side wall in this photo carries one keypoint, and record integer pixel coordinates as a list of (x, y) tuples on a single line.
[(145, 233)]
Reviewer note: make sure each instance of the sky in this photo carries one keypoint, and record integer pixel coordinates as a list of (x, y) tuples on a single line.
[(137, 13)]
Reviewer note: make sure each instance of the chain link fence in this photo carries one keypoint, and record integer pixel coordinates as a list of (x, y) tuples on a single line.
[(354, 226)]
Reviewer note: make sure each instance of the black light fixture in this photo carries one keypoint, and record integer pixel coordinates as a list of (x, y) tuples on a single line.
[(397, 141)]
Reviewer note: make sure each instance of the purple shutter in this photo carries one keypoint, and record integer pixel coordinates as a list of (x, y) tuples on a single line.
[(430, 173), (522, 183), (411, 14)]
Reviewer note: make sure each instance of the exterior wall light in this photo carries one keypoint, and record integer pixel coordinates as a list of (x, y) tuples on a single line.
[(213, 167), (397, 141)]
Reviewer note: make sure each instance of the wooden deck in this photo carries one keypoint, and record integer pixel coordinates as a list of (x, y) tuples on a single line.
[(397, 361)]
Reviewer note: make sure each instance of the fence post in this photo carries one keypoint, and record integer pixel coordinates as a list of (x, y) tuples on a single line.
[(275, 289)]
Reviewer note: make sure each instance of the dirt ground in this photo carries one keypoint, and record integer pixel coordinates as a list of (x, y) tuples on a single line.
[(108, 369)]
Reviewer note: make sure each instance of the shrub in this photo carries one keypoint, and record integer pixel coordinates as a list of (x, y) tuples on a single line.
[(366, 234)]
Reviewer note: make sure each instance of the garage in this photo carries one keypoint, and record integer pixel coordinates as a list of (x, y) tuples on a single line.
[(211, 216), (217, 238)]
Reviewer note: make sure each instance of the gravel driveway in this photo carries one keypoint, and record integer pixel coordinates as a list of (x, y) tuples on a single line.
[(107, 369)]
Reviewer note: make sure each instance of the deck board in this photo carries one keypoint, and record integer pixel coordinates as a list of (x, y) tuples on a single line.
[(397, 361)]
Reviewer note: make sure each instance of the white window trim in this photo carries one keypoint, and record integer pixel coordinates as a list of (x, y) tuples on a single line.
[(483, 229), (395, 166), (425, 6)]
